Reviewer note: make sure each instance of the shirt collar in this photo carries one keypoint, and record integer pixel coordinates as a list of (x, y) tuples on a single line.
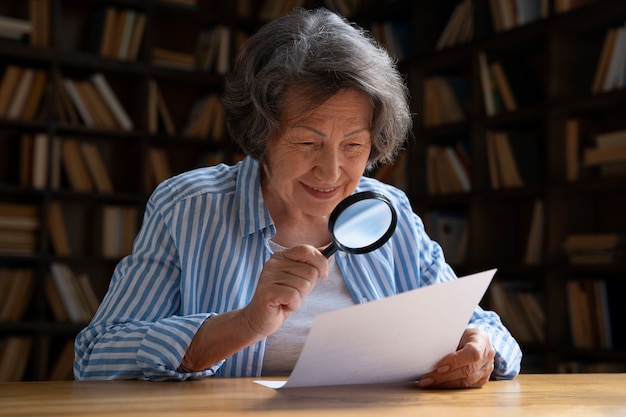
[(253, 213)]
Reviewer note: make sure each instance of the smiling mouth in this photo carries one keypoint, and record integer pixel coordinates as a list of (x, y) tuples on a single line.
[(323, 190)]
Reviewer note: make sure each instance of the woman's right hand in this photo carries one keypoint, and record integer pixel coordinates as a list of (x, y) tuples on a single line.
[(285, 282)]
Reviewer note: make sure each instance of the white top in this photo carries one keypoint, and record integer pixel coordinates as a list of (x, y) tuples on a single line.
[(284, 346)]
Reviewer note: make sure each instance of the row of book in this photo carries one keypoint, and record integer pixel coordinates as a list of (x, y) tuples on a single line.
[(35, 29), (70, 296), (595, 248), (22, 90), (19, 228), (43, 160), (520, 309), (515, 158), (610, 71), (448, 169), (91, 101), (16, 289), (213, 51), (117, 33), (460, 26), (595, 313), (497, 93), (15, 352), (445, 100), (509, 14), (95, 102)]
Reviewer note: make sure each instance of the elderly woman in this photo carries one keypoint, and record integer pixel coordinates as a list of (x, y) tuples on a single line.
[(226, 274)]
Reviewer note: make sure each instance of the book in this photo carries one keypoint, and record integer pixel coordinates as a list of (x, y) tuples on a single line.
[(63, 367), (70, 293), (20, 95), (486, 82), (126, 29), (58, 230), (19, 292), (108, 34), (136, 37), (14, 28), (535, 235), (603, 62), (460, 18), (39, 13), (71, 87), (615, 70), (96, 167), (35, 98), (600, 156), (508, 171), (578, 242), (39, 177), (74, 166), (14, 354), (572, 148), (502, 84), (9, 84), (99, 111), (173, 59), (158, 165), (116, 107)]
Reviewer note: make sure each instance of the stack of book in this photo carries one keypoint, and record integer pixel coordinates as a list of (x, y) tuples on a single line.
[(609, 153), (19, 226), (595, 248)]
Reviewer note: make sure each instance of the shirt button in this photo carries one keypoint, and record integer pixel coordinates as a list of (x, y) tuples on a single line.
[(363, 300), (342, 254)]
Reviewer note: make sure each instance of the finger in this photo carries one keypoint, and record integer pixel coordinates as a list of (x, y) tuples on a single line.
[(309, 255)]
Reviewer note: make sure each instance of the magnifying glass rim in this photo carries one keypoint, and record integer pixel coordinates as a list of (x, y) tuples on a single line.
[(352, 199)]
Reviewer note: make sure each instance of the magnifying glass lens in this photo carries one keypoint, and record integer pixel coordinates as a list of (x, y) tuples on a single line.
[(361, 223)]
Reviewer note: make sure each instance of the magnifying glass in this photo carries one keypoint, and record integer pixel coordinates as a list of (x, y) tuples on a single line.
[(361, 223)]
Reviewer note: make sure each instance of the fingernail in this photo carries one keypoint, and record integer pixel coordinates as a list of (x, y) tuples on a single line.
[(443, 369), (426, 382)]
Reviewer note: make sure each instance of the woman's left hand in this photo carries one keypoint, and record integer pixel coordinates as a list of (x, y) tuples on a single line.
[(469, 367)]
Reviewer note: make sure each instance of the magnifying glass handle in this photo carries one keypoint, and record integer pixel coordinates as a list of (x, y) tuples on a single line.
[(329, 250)]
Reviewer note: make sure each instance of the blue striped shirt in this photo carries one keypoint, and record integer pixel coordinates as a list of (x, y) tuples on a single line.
[(200, 250)]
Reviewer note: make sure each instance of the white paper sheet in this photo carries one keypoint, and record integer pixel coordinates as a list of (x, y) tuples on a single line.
[(399, 338)]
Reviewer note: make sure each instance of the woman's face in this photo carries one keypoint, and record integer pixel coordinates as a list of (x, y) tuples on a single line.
[(318, 158)]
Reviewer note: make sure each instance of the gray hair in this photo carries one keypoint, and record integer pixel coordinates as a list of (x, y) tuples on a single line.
[(318, 53)]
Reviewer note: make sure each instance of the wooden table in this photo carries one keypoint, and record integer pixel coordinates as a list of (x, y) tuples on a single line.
[(528, 395)]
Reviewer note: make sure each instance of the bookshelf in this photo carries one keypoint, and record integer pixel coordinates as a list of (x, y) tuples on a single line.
[(517, 222), (543, 136), (91, 119), (128, 94)]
